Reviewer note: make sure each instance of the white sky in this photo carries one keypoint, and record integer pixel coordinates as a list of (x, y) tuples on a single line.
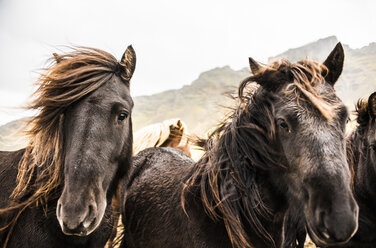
[(174, 40)]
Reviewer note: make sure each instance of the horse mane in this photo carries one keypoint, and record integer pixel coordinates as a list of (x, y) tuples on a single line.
[(69, 78), (246, 143), (354, 141), (156, 134), (362, 113)]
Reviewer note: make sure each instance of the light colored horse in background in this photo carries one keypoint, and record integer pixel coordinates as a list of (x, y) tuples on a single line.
[(169, 133)]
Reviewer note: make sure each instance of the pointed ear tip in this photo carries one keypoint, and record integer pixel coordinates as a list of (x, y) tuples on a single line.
[(339, 46), (130, 47), (253, 63), (372, 97)]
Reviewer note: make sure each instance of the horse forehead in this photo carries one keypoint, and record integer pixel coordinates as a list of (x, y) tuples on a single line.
[(324, 107), (320, 131), (113, 90)]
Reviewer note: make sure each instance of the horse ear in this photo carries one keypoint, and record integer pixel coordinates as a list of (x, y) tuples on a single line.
[(255, 66), (372, 105), (179, 123), (334, 64), (58, 59), (128, 62)]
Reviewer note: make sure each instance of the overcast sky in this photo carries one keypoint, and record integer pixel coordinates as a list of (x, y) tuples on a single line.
[(174, 40)]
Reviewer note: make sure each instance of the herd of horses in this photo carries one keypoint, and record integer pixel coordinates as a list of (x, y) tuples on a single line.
[(278, 168)]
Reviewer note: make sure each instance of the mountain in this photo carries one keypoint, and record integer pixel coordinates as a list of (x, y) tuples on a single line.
[(11, 136), (358, 79), (200, 104), (317, 50)]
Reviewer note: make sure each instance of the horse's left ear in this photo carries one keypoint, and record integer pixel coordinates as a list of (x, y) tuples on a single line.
[(372, 105), (128, 62), (334, 64)]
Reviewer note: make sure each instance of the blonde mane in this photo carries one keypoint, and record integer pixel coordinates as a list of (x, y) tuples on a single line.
[(156, 134)]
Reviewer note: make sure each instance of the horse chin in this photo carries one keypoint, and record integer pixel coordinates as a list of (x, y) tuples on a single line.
[(320, 239), (85, 229), (82, 232)]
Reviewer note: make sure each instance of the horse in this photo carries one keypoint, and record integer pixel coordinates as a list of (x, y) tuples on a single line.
[(275, 165), (361, 149), (169, 133), (57, 191)]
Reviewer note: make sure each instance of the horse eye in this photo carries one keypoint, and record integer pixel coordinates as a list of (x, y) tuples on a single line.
[(282, 124), (122, 116)]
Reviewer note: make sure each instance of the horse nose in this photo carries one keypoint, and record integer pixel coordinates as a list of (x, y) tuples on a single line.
[(339, 225), (73, 221)]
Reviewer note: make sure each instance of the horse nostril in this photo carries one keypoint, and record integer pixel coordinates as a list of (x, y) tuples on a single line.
[(90, 210), (323, 225), (90, 217)]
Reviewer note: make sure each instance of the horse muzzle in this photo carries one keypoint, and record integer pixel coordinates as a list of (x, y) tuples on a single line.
[(78, 218), (334, 227)]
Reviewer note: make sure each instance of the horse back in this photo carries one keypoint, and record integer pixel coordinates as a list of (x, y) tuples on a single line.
[(152, 211), (8, 174)]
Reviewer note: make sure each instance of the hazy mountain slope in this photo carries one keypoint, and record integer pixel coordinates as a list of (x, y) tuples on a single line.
[(197, 104), (317, 50), (11, 136)]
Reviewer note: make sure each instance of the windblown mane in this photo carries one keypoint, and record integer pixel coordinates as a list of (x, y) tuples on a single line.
[(361, 110), (68, 79), (246, 142)]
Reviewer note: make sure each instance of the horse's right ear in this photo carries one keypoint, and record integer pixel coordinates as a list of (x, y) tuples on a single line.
[(58, 58), (372, 105), (128, 62), (334, 64), (256, 68)]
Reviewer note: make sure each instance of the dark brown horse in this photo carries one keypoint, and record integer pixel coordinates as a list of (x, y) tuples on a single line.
[(362, 159), (57, 192), (276, 165)]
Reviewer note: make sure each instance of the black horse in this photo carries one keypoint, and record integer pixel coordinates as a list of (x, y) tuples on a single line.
[(276, 165), (362, 159), (57, 192)]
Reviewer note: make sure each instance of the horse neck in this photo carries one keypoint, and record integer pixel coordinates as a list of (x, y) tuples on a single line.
[(252, 188), (271, 210)]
